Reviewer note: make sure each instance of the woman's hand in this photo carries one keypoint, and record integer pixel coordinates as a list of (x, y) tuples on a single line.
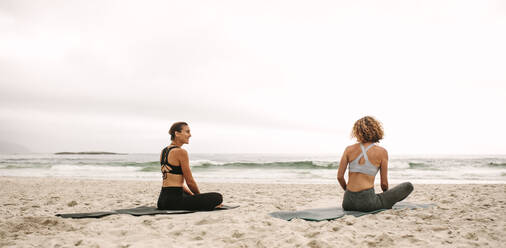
[(187, 190)]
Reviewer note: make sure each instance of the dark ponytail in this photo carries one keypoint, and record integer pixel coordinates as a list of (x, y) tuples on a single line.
[(176, 127)]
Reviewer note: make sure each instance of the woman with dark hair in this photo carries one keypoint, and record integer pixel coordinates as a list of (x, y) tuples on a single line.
[(175, 166), (364, 160)]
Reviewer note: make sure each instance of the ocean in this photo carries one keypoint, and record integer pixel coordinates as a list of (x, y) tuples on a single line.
[(256, 168)]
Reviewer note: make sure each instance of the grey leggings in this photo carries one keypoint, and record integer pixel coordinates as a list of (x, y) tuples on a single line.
[(367, 200)]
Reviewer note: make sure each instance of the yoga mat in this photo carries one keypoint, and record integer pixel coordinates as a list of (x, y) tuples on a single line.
[(332, 213), (138, 211)]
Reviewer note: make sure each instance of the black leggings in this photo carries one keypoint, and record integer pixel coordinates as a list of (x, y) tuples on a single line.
[(174, 198), (367, 200)]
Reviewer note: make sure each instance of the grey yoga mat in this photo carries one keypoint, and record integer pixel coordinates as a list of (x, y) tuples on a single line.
[(319, 214), (138, 211)]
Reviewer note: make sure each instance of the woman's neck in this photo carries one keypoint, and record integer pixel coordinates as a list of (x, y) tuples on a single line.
[(176, 143)]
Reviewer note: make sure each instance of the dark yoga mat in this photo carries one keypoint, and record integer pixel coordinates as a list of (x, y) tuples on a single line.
[(319, 214), (138, 211)]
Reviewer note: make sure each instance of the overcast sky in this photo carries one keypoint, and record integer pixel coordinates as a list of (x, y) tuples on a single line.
[(253, 76)]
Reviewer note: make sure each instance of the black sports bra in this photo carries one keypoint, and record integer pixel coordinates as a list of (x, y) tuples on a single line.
[(164, 163)]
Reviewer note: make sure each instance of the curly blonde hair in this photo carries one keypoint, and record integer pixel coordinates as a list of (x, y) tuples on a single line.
[(367, 129)]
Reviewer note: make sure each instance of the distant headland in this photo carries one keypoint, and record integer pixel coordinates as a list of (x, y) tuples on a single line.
[(89, 153)]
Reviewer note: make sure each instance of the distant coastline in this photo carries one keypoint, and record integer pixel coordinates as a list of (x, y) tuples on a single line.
[(89, 153)]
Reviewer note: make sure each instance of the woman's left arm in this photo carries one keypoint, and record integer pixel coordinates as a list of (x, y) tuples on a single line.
[(342, 168), (187, 173), (384, 171)]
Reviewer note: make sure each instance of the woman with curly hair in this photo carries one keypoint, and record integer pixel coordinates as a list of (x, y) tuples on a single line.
[(364, 160)]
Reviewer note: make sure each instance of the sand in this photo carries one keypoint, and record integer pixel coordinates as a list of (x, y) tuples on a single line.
[(465, 216)]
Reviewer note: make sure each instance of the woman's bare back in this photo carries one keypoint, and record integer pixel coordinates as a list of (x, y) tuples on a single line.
[(377, 156)]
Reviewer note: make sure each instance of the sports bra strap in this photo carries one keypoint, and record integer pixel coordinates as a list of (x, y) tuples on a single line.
[(364, 151), (165, 154), (177, 170)]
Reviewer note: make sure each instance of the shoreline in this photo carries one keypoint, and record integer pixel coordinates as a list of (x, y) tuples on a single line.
[(464, 216), (392, 182)]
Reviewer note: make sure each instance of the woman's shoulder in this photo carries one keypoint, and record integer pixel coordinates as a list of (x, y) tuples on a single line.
[(380, 149), (353, 147), (175, 150), (179, 151), (356, 147)]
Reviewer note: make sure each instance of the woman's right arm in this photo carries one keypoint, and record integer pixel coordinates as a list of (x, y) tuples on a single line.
[(342, 168), (384, 172), (187, 173)]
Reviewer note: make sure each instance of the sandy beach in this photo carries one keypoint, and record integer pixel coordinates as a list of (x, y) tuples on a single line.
[(466, 216)]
